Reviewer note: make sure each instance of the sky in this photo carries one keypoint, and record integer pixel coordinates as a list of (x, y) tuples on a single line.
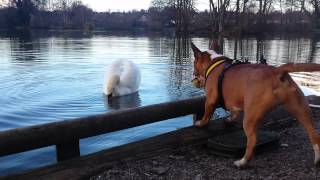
[(117, 5), (127, 5)]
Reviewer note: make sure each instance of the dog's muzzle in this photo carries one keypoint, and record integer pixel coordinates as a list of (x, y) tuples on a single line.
[(196, 82)]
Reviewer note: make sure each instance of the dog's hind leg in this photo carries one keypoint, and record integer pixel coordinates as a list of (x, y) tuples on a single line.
[(250, 124), (297, 104), (234, 114), (253, 112)]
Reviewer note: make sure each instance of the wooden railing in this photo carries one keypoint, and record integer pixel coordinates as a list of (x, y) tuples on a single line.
[(65, 135)]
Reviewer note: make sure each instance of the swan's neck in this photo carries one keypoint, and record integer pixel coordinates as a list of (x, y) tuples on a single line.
[(112, 83)]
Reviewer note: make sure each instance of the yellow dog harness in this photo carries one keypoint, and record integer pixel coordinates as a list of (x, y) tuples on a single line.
[(219, 60), (227, 66)]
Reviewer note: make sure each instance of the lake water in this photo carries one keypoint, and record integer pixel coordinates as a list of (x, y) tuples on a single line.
[(54, 76)]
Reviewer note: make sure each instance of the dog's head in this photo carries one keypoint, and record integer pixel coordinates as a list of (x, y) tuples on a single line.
[(200, 60)]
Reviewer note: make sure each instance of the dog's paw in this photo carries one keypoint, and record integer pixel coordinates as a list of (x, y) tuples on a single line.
[(241, 164), (199, 124), (316, 155)]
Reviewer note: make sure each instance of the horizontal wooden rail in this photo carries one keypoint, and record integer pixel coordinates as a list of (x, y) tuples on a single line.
[(88, 165), (66, 134), (92, 164)]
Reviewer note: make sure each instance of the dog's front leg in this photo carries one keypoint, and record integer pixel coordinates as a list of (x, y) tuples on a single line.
[(210, 106)]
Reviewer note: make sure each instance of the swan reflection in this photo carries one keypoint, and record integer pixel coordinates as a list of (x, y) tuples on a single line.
[(122, 102)]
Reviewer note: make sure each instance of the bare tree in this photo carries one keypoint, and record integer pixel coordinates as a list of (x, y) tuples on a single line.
[(218, 12), (183, 12), (244, 6), (313, 12), (24, 10), (81, 16), (264, 9), (65, 7), (161, 4)]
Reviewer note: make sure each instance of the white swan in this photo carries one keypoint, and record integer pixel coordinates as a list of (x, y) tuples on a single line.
[(122, 78)]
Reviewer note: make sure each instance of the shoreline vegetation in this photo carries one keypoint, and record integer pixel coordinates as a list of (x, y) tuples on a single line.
[(224, 17)]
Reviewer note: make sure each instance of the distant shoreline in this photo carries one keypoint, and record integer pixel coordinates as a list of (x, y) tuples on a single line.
[(144, 31)]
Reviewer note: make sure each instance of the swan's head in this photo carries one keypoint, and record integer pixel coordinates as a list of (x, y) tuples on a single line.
[(113, 81)]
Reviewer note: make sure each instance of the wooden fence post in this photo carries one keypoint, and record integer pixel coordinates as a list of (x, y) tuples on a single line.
[(67, 150)]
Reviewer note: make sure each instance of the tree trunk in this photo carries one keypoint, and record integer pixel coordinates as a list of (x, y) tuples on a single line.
[(237, 13)]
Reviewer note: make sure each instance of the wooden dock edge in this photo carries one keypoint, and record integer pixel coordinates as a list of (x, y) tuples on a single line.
[(86, 166)]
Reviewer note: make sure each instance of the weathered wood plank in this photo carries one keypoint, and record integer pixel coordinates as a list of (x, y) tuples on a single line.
[(28, 138)]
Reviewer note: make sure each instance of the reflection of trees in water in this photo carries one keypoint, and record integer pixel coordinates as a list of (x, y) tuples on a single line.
[(160, 47), (175, 50), (173, 54), (260, 50), (180, 74), (275, 50), (24, 47), (236, 41), (75, 43), (238, 48), (76, 47), (313, 48), (231, 48), (296, 50), (180, 57), (181, 51), (27, 46)]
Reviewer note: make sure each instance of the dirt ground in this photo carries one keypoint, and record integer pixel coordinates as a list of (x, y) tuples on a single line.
[(293, 160)]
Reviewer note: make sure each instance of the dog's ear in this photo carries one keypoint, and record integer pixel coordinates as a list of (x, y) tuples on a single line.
[(196, 51)]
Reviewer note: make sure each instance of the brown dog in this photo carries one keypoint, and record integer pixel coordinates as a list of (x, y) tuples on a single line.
[(254, 89)]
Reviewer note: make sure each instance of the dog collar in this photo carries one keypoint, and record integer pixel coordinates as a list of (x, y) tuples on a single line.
[(212, 66)]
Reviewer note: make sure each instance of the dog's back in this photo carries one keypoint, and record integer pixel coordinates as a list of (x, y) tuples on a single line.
[(262, 82)]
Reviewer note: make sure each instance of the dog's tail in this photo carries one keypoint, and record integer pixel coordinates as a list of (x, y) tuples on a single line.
[(298, 67)]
